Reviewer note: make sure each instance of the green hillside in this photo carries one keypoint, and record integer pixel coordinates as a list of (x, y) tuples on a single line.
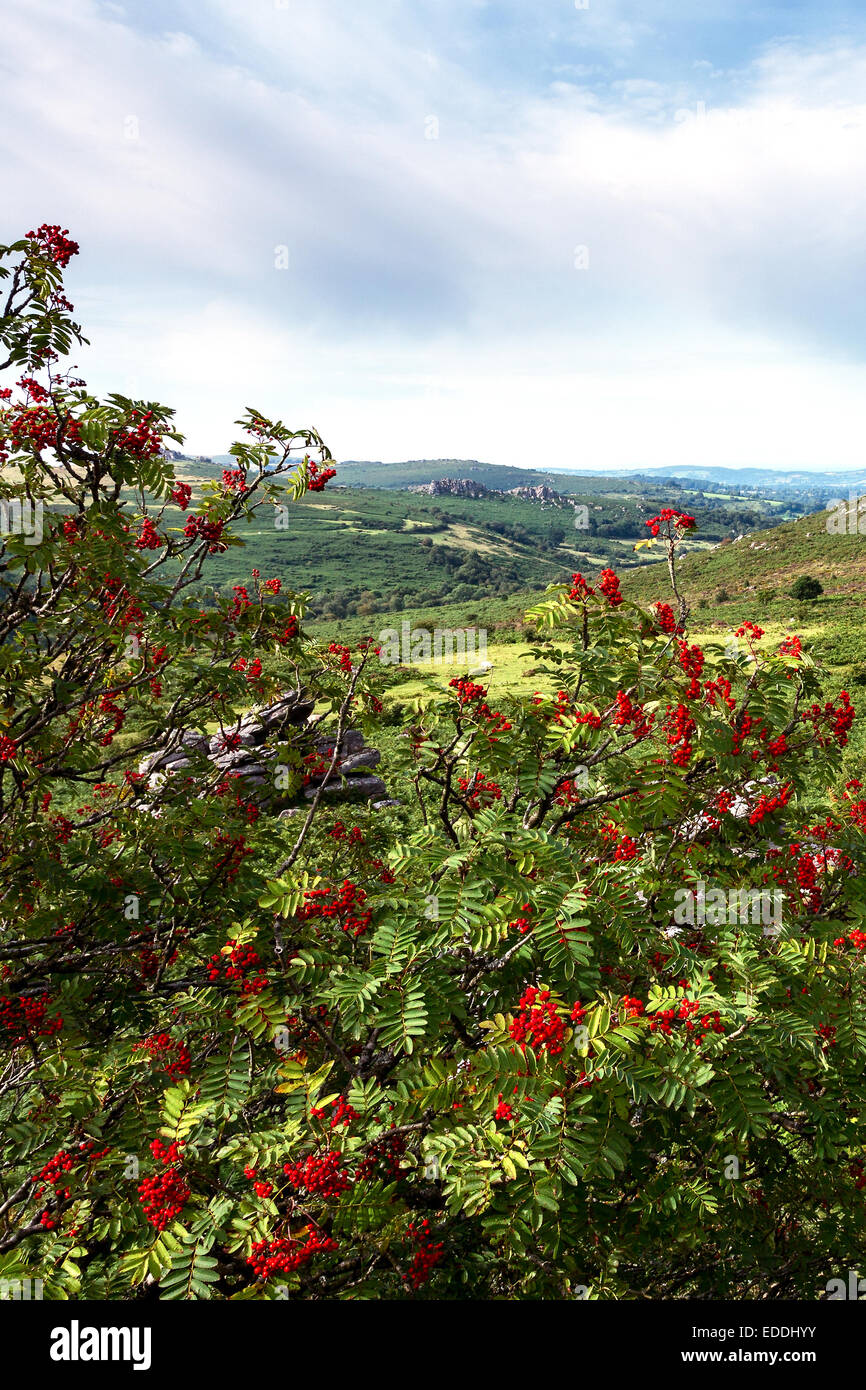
[(365, 550)]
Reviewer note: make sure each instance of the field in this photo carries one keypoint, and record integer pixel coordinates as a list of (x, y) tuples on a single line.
[(361, 550)]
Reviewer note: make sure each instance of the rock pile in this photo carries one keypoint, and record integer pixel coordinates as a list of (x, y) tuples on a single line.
[(242, 752)]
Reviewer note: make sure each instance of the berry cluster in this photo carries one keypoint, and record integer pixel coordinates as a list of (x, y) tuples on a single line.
[(345, 655), (149, 538), (503, 1111), (160, 1046), (479, 791), (164, 1195), (672, 520), (427, 1255), (839, 716), (692, 661), (384, 1153), (679, 727), (322, 1177), (665, 618), (687, 1013), (142, 440), (609, 586), (355, 836), (23, 1019), (522, 924), (538, 1024), (283, 1255), (346, 902), (260, 1186), (628, 713), (580, 591), (237, 965), (234, 480), (317, 477), (469, 694), (201, 528), (54, 243), (344, 1114)]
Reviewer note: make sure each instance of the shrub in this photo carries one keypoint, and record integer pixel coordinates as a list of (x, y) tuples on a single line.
[(806, 588)]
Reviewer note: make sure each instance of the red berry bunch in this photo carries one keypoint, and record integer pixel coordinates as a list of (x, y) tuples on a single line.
[(149, 538), (665, 618), (628, 713), (240, 602), (234, 480), (164, 1195), (237, 965), (580, 591), (479, 791), (332, 904), (838, 715), (23, 1018), (260, 1186), (631, 1007), (317, 477), (201, 528), (427, 1255), (320, 1176), (673, 521), (609, 586), (679, 727), (283, 1255), (766, 805), (160, 1046), (355, 836), (55, 243), (503, 1111), (142, 440), (345, 655), (695, 1025), (384, 1154), (538, 1024), (522, 924)]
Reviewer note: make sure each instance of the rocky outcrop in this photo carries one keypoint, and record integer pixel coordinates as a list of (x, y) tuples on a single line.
[(541, 493), (465, 487), (452, 487), (243, 752)]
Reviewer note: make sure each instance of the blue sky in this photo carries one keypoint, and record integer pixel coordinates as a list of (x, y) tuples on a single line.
[(622, 235)]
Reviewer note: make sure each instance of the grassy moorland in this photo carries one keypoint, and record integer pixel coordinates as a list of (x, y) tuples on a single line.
[(363, 550)]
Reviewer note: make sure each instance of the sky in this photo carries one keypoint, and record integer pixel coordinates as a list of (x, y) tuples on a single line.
[(604, 234)]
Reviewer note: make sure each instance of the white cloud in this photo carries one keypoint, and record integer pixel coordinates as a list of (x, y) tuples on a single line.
[(432, 305)]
